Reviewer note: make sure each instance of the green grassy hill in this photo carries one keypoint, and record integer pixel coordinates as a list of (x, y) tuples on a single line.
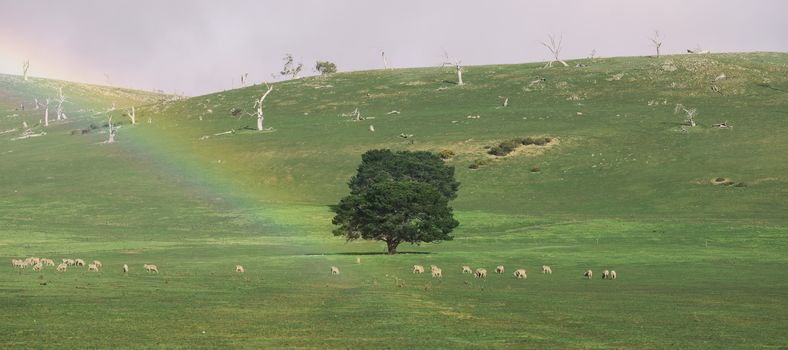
[(625, 185)]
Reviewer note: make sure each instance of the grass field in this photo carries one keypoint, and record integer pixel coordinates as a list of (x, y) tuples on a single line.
[(699, 265)]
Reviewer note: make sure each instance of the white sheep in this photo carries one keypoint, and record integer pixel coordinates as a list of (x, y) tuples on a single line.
[(151, 268), (437, 272), (48, 262), (418, 269), (358, 260), (605, 274), (520, 273), (93, 267), (613, 274), (481, 273), (62, 267), (70, 262), (239, 268), (433, 267), (466, 269), (547, 269), (125, 268), (588, 274), (499, 269), (37, 267), (79, 262), (334, 270), (97, 263)]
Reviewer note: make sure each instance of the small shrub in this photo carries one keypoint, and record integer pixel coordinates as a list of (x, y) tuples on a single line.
[(479, 163), (236, 112), (740, 184), (719, 179), (535, 169), (93, 126), (446, 153)]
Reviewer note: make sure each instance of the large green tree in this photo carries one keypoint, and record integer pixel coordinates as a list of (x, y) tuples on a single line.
[(398, 197)]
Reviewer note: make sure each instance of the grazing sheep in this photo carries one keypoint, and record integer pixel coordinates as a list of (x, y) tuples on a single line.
[(433, 267), (18, 263), (35, 261), (481, 273), (48, 262), (97, 263), (466, 269), (520, 273), (613, 274), (547, 269), (93, 267), (69, 262), (62, 267), (239, 268), (418, 269), (151, 268), (499, 269), (125, 268), (605, 274), (437, 272), (588, 274), (79, 262), (37, 267), (358, 260), (334, 270)]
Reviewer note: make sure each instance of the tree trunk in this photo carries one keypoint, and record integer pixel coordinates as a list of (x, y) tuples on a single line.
[(391, 245), (46, 116), (260, 118), (459, 76)]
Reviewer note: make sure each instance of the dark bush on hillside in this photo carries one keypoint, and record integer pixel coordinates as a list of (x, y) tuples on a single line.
[(236, 112), (93, 126), (446, 153), (479, 163), (740, 184), (535, 170)]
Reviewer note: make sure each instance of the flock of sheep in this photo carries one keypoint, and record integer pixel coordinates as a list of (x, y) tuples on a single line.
[(436, 272), (38, 264), (481, 272)]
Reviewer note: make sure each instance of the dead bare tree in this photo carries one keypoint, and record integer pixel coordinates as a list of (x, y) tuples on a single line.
[(60, 100), (385, 62), (111, 137), (657, 40), (457, 66), (259, 106), (691, 113), (291, 68), (46, 112), (555, 49), (132, 115), (243, 79), (25, 67)]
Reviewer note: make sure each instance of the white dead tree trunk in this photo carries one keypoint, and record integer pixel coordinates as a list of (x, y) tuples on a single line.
[(385, 62), (657, 40), (46, 112), (243, 79), (132, 115), (457, 66), (37, 104), (259, 105), (60, 99), (691, 113), (111, 137), (555, 49), (25, 67)]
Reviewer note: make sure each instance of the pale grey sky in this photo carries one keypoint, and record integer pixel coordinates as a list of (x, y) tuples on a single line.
[(197, 47)]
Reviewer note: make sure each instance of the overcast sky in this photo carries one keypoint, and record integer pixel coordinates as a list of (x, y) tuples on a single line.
[(197, 47)]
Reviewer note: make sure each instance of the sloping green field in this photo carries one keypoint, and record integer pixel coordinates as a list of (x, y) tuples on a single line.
[(624, 186)]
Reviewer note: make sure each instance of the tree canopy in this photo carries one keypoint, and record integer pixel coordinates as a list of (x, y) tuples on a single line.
[(325, 67), (398, 197)]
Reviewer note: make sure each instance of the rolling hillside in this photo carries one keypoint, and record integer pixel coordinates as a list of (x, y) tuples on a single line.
[(693, 218)]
